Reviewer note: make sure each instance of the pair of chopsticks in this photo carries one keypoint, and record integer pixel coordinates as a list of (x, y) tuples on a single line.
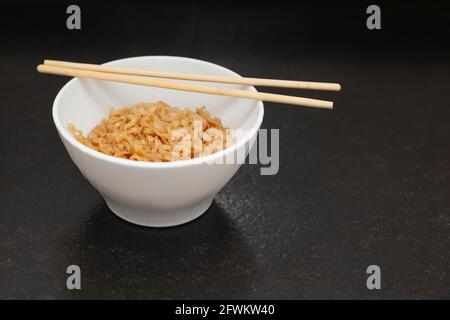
[(147, 78)]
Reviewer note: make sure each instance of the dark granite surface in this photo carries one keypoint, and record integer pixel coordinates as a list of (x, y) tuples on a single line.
[(366, 183)]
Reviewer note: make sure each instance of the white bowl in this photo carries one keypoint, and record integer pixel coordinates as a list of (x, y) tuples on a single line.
[(152, 193)]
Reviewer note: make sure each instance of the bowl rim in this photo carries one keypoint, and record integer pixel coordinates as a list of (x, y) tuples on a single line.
[(144, 164)]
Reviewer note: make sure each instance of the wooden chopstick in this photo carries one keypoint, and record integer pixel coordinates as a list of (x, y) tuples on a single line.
[(140, 80), (200, 77)]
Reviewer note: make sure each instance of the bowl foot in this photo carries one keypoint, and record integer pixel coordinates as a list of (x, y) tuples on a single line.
[(162, 218)]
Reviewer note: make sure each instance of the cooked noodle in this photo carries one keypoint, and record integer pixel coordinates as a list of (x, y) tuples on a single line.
[(157, 132)]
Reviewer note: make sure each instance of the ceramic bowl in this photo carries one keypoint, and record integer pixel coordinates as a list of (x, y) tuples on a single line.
[(156, 194)]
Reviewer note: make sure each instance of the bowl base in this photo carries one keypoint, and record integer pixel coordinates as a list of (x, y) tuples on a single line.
[(163, 218)]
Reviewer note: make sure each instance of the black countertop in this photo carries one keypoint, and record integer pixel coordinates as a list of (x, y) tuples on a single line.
[(366, 183)]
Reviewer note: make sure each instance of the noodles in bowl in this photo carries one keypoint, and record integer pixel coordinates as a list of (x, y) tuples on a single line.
[(157, 132)]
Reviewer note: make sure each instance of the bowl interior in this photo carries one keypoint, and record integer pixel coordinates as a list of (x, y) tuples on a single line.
[(85, 102)]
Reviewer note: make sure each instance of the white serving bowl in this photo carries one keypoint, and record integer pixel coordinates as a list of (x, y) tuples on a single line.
[(154, 194)]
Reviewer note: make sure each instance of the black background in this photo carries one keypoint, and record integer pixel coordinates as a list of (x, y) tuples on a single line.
[(366, 183)]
